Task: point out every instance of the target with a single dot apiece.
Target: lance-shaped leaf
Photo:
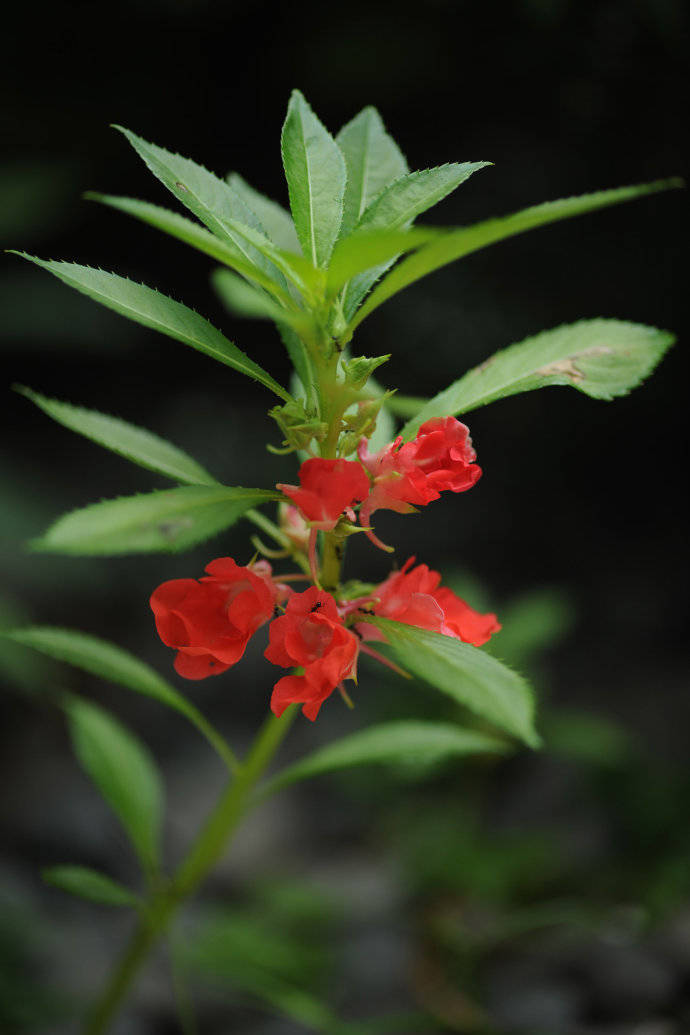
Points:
(315, 173)
(602, 358)
(468, 675)
(136, 444)
(391, 743)
(90, 884)
(469, 239)
(112, 663)
(169, 520)
(211, 199)
(373, 160)
(124, 772)
(197, 236)
(148, 307)
(276, 221)
(396, 206)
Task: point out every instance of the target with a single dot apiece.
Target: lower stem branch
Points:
(205, 852)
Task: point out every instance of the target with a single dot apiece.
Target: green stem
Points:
(205, 852)
(331, 561)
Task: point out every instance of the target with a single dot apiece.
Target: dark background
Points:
(582, 496)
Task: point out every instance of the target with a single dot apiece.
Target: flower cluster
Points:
(316, 634)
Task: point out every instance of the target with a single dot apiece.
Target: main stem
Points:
(205, 852)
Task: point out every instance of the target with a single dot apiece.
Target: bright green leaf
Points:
(373, 160)
(365, 249)
(602, 358)
(90, 884)
(465, 240)
(197, 236)
(112, 663)
(169, 520)
(148, 307)
(470, 676)
(124, 772)
(315, 173)
(396, 206)
(301, 360)
(276, 221)
(398, 742)
(136, 444)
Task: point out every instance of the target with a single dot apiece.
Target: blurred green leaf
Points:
(531, 624)
(197, 236)
(373, 160)
(602, 358)
(169, 520)
(315, 173)
(469, 239)
(135, 444)
(404, 741)
(148, 307)
(124, 772)
(107, 661)
(275, 220)
(587, 738)
(471, 677)
(245, 300)
(90, 884)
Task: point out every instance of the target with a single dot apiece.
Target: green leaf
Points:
(136, 444)
(301, 361)
(210, 198)
(197, 236)
(373, 160)
(148, 307)
(602, 358)
(315, 173)
(169, 520)
(396, 206)
(124, 772)
(364, 249)
(112, 663)
(276, 221)
(465, 240)
(471, 677)
(222, 210)
(90, 884)
(391, 743)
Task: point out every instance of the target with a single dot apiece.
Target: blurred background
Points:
(545, 895)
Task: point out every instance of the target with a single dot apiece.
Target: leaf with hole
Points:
(602, 358)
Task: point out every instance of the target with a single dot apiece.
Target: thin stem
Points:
(270, 528)
(203, 855)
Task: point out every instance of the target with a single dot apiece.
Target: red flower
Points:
(406, 476)
(326, 489)
(210, 622)
(311, 635)
(414, 596)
